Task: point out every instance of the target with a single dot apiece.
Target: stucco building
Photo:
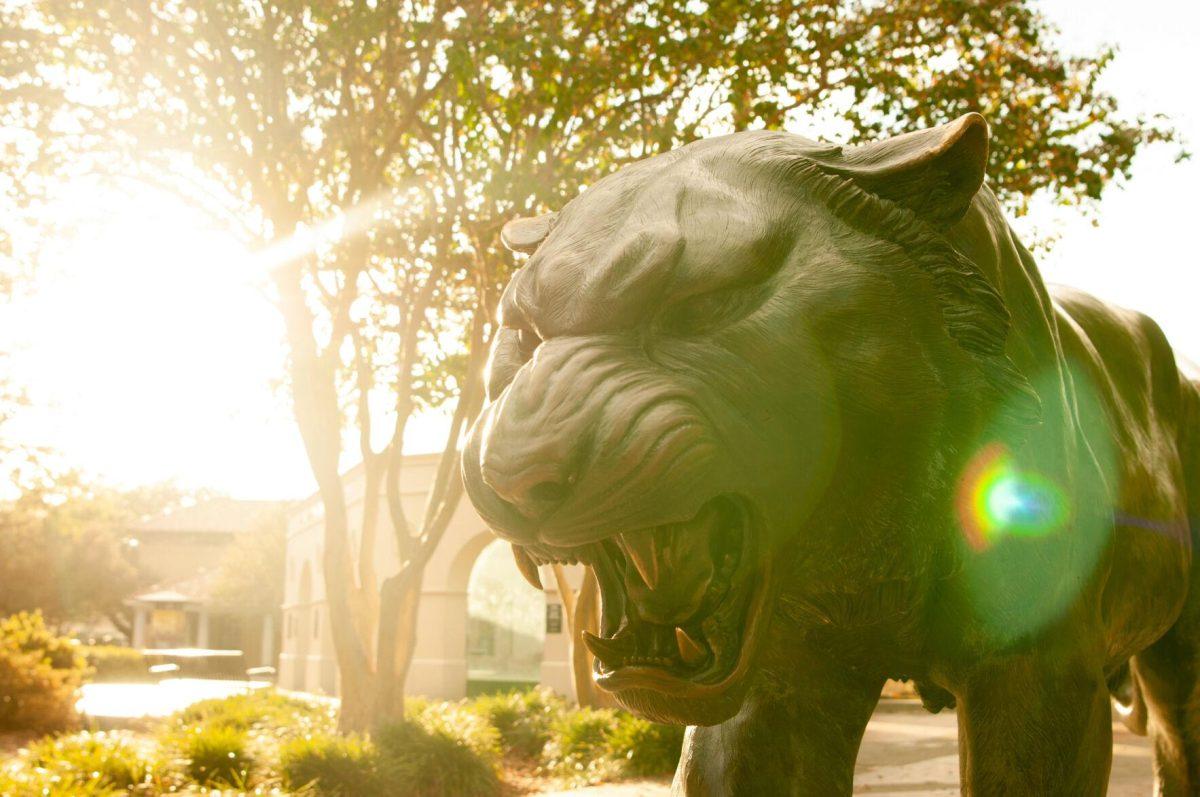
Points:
(181, 552)
(479, 622)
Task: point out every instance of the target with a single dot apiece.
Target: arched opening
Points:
(506, 630)
(301, 626)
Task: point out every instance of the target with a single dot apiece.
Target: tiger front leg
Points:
(798, 739)
(1032, 725)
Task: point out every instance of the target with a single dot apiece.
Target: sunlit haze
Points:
(151, 351)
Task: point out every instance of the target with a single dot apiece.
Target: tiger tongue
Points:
(670, 567)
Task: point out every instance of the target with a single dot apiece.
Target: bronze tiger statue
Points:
(814, 421)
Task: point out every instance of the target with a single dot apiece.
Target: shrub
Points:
(459, 722)
(523, 719)
(45, 783)
(583, 732)
(115, 663)
(40, 674)
(645, 748)
(578, 746)
(332, 766)
(261, 709)
(87, 765)
(110, 760)
(217, 755)
(417, 762)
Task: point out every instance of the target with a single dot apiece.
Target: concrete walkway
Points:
(908, 752)
(127, 701)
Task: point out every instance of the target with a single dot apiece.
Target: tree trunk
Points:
(400, 599)
(318, 416)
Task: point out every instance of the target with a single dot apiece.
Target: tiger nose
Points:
(534, 490)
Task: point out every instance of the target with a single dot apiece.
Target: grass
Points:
(480, 688)
(217, 756)
(432, 763)
(523, 719)
(237, 741)
(578, 746)
(458, 721)
(115, 759)
(87, 764)
(326, 764)
(645, 748)
(259, 710)
(426, 758)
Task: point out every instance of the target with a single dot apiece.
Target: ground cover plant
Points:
(267, 742)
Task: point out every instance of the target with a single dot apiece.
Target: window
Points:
(316, 623)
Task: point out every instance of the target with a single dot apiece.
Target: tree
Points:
(372, 152)
(251, 573)
(64, 543)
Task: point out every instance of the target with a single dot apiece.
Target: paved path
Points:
(126, 701)
(911, 752)
(908, 752)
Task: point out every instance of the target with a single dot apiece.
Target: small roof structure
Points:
(162, 596)
(195, 589)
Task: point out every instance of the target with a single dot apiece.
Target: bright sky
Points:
(1144, 253)
(150, 351)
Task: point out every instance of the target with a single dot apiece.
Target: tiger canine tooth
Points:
(609, 651)
(527, 566)
(642, 549)
(690, 651)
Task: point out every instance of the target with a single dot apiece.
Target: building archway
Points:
(506, 631)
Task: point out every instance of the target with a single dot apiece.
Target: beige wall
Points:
(173, 556)
(439, 667)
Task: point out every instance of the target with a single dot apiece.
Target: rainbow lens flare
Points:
(995, 499)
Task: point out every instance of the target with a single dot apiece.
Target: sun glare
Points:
(150, 350)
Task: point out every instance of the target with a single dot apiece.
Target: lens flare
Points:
(996, 499)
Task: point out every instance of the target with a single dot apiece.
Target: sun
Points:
(151, 350)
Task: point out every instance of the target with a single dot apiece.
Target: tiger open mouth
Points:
(681, 603)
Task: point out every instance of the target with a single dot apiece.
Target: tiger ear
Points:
(524, 235)
(935, 173)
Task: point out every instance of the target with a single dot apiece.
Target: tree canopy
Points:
(65, 546)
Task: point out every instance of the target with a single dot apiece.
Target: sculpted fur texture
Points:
(814, 420)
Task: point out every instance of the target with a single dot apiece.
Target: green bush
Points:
(523, 719)
(45, 783)
(583, 732)
(217, 756)
(115, 663)
(261, 709)
(578, 746)
(40, 674)
(88, 765)
(417, 762)
(331, 766)
(458, 721)
(112, 760)
(645, 748)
